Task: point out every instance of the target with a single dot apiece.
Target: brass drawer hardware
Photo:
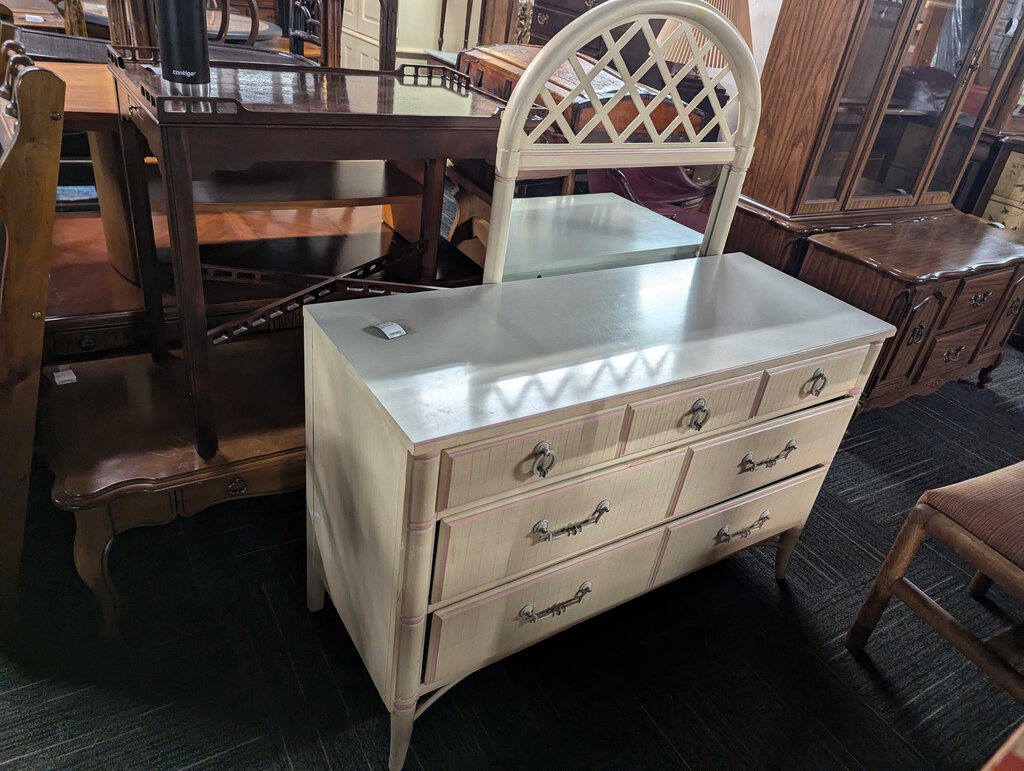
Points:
(544, 459)
(542, 530)
(723, 536)
(917, 335)
(953, 354)
(818, 382)
(87, 343)
(700, 414)
(528, 614)
(590, 3)
(238, 486)
(542, 19)
(979, 299)
(749, 463)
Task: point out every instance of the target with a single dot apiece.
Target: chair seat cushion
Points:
(991, 507)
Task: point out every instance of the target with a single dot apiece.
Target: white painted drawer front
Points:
(480, 548)
(701, 539)
(737, 463)
(811, 382)
(485, 628)
(688, 414)
(480, 470)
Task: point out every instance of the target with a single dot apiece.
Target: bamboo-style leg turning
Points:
(401, 736)
(314, 570)
(895, 566)
(94, 535)
(979, 586)
(787, 543)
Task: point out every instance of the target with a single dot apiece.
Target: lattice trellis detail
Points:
(700, 48)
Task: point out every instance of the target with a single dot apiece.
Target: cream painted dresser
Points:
(533, 453)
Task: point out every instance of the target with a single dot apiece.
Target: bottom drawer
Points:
(701, 539)
(470, 634)
(951, 351)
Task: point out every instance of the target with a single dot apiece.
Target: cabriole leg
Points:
(94, 534)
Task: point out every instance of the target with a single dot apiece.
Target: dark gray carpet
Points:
(220, 666)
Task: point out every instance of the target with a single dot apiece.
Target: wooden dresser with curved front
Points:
(533, 453)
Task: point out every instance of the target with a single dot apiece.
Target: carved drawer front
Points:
(691, 413)
(1008, 316)
(703, 538)
(480, 548)
(977, 299)
(811, 382)
(951, 351)
(722, 468)
(912, 341)
(273, 478)
(480, 470)
(485, 628)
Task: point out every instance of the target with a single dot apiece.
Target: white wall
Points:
(763, 15)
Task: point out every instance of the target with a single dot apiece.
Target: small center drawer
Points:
(689, 414)
(811, 382)
(472, 633)
(977, 300)
(722, 468)
(479, 548)
(480, 470)
(951, 351)
(696, 541)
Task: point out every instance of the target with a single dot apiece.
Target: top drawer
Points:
(811, 382)
(494, 466)
(977, 299)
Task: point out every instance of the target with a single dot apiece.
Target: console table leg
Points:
(787, 543)
(401, 736)
(94, 534)
(314, 570)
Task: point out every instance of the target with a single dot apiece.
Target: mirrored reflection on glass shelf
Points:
(882, 25)
(990, 68)
(940, 48)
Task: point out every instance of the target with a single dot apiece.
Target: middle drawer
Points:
(480, 548)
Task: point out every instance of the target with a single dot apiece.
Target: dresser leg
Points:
(985, 376)
(787, 543)
(94, 534)
(314, 571)
(909, 540)
(401, 736)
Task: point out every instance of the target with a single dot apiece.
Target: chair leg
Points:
(979, 586)
(904, 548)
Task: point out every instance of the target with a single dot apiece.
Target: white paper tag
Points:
(391, 329)
(31, 18)
(64, 377)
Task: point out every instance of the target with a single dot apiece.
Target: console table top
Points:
(481, 356)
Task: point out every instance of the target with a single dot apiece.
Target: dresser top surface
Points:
(486, 355)
(926, 250)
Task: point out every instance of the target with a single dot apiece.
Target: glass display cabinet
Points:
(882, 127)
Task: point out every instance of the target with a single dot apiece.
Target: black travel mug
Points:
(184, 51)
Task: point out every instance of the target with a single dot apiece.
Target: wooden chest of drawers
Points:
(534, 453)
(953, 287)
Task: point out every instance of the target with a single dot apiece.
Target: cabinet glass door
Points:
(880, 28)
(935, 61)
(992, 66)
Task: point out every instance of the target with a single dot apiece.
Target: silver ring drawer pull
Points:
(953, 354)
(700, 414)
(544, 459)
(544, 533)
(724, 536)
(977, 300)
(1015, 306)
(542, 19)
(749, 463)
(819, 380)
(530, 615)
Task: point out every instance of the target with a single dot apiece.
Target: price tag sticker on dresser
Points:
(391, 329)
(64, 377)
(31, 18)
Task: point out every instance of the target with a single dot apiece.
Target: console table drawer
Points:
(723, 468)
(977, 300)
(482, 629)
(809, 382)
(477, 471)
(951, 351)
(685, 415)
(709, 536)
(480, 548)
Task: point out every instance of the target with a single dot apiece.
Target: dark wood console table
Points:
(258, 113)
(953, 286)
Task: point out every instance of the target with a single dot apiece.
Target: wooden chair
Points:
(533, 115)
(317, 22)
(31, 122)
(982, 519)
